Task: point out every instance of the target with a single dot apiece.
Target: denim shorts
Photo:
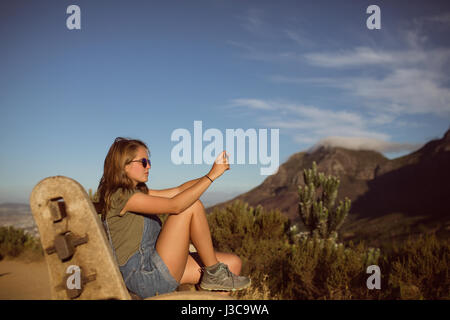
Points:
(145, 273)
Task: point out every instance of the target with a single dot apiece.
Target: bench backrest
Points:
(75, 243)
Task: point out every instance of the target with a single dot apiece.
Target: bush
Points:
(418, 269)
(14, 242)
(283, 267)
(323, 269)
(260, 238)
(317, 203)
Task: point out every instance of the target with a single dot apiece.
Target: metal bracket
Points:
(64, 245)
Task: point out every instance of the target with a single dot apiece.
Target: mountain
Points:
(354, 168)
(389, 197)
(416, 184)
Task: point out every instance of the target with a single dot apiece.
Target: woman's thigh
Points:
(173, 243)
(192, 271)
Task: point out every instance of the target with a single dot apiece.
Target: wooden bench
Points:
(77, 251)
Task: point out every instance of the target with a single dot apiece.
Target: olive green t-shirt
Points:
(126, 231)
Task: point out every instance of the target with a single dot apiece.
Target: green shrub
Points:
(310, 268)
(418, 269)
(282, 267)
(260, 238)
(317, 203)
(323, 269)
(14, 242)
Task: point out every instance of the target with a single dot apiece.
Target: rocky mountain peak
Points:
(447, 136)
(376, 185)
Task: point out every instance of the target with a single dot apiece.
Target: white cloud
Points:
(443, 18)
(403, 91)
(402, 82)
(364, 56)
(299, 38)
(252, 21)
(389, 85)
(308, 124)
(252, 103)
(364, 143)
(395, 82)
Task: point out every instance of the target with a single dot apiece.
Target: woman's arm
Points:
(172, 192)
(144, 203)
(151, 204)
(188, 184)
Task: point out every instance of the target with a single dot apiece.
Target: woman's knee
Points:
(197, 206)
(233, 262)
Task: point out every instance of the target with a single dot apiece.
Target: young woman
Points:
(155, 260)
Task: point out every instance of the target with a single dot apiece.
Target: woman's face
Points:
(135, 170)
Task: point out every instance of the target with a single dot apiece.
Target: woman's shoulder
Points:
(121, 195)
(121, 191)
(118, 199)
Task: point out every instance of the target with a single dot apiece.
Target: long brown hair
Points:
(121, 152)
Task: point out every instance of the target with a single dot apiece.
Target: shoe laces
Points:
(224, 267)
(229, 273)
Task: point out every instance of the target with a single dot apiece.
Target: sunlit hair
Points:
(121, 152)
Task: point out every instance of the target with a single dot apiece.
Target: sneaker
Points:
(223, 279)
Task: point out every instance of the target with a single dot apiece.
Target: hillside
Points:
(390, 198)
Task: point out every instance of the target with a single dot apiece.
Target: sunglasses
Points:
(144, 162)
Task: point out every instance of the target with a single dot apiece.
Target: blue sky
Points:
(142, 69)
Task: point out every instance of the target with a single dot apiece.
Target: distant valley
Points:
(18, 215)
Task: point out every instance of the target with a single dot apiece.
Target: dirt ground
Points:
(22, 280)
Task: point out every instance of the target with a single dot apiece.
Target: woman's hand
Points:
(221, 164)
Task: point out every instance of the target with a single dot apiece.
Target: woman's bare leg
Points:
(192, 272)
(174, 239)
